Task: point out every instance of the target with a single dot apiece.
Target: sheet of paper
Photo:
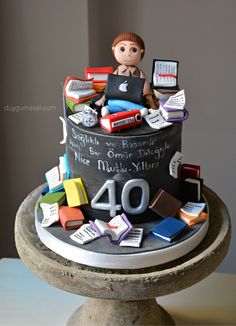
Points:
(84, 234)
(175, 162)
(133, 239)
(176, 101)
(193, 209)
(50, 214)
(77, 117)
(156, 121)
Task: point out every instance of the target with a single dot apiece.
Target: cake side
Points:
(137, 153)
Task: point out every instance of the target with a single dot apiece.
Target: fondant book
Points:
(192, 213)
(75, 192)
(164, 204)
(70, 217)
(192, 189)
(165, 74)
(99, 74)
(168, 229)
(58, 197)
(116, 230)
(164, 93)
(58, 174)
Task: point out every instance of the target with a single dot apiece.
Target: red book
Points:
(70, 217)
(190, 171)
(121, 120)
(98, 73)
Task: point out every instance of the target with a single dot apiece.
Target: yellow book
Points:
(75, 192)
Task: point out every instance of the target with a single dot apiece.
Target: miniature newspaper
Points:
(156, 121)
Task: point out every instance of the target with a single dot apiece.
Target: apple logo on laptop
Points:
(123, 87)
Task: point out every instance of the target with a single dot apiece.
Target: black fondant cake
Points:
(136, 153)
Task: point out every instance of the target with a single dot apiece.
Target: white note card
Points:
(175, 162)
(50, 214)
(156, 121)
(133, 239)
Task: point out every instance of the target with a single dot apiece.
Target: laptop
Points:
(125, 88)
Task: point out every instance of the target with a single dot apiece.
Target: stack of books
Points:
(78, 91)
(192, 213)
(173, 109)
(99, 76)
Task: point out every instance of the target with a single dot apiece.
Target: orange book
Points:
(70, 217)
(191, 220)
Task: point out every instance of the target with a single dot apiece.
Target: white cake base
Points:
(126, 258)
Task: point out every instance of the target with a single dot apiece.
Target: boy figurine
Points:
(128, 49)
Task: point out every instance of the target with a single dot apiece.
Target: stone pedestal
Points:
(123, 297)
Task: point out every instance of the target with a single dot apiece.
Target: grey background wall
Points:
(43, 41)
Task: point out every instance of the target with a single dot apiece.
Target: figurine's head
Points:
(128, 49)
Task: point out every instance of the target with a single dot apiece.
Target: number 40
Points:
(112, 206)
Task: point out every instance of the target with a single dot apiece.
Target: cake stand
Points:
(123, 297)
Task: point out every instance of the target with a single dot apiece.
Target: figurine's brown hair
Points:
(129, 36)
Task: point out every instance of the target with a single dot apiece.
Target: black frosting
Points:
(141, 152)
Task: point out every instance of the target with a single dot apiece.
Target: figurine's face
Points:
(127, 53)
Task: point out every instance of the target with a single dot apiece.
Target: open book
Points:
(58, 174)
(116, 230)
(165, 73)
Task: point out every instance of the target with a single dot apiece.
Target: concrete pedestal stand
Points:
(123, 297)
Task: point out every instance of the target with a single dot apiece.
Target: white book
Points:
(98, 76)
(193, 209)
(84, 234)
(57, 175)
(172, 114)
(75, 84)
(133, 239)
(50, 214)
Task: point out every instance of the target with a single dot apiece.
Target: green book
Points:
(52, 198)
(74, 107)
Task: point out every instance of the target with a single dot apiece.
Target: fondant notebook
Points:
(165, 204)
(168, 229)
(70, 217)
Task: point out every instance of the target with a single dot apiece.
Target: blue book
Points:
(168, 229)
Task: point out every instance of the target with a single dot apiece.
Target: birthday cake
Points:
(122, 177)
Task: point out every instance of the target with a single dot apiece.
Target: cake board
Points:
(129, 293)
(102, 253)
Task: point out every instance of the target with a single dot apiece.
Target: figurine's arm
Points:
(148, 93)
(102, 100)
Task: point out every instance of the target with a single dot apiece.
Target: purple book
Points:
(116, 230)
